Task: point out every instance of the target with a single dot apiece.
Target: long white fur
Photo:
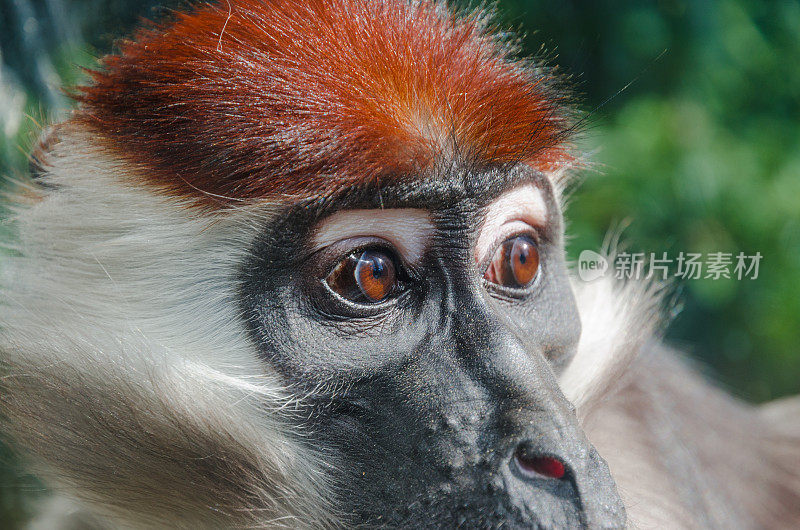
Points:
(617, 320)
(115, 281)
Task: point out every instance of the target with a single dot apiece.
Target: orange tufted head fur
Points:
(262, 98)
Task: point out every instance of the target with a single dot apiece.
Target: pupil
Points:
(377, 268)
(374, 275)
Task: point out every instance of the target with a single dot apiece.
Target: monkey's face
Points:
(426, 324)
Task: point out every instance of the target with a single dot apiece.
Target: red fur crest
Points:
(269, 98)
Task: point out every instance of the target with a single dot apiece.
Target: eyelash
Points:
(383, 247)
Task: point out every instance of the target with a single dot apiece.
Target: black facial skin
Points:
(422, 400)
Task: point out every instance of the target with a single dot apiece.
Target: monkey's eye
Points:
(367, 276)
(515, 263)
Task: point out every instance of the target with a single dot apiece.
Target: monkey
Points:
(301, 265)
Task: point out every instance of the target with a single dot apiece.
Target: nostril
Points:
(547, 466)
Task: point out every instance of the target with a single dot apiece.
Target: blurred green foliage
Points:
(693, 131)
(701, 153)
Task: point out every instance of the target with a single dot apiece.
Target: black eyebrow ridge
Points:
(427, 192)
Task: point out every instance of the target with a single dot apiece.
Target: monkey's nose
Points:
(564, 482)
(534, 464)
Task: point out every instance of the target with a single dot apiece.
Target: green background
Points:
(693, 132)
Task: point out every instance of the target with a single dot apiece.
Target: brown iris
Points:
(515, 263)
(369, 276)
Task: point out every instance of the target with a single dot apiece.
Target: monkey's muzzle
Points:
(468, 460)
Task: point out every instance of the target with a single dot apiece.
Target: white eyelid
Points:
(408, 229)
(519, 210)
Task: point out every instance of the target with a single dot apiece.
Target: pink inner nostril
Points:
(543, 465)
